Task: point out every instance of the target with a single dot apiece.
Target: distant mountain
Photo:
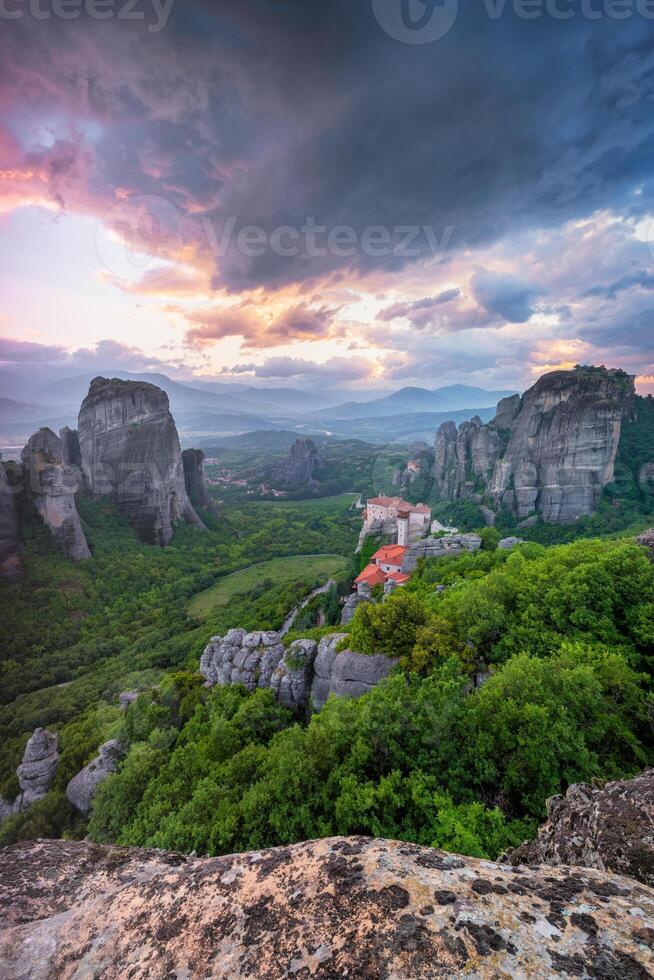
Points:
(451, 398)
(401, 427)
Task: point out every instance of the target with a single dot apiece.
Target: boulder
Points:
(506, 544)
(611, 829)
(82, 787)
(125, 698)
(346, 674)
(130, 453)
(333, 908)
(646, 539)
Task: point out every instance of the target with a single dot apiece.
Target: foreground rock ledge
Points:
(344, 907)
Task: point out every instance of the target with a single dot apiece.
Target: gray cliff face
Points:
(302, 676)
(10, 569)
(451, 544)
(299, 467)
(195, 479)
(551, 451)
(464, 459)
(563, 444)
(70, 450)
(130, 452)
(52, 485)
(35, 773)
(82, 787)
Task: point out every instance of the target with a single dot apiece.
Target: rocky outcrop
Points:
(299, 468)
(345, 674)
(551, 451)
(563, 444)
(335, 908)
(353, 601)
(611, 829)
(507, 544)
(451, 544)
(646, 539)
(464, 459)
(195, 479)
(131, 454)
(35, 773)
(10, 568)
(302, 676)
(52, 485)
(82, 787)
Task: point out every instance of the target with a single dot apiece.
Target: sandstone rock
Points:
(52, 485)
(334, 908)
(451, 544)
(507, 412)
(10, 568)
(240, 658)
(445, 459)
(346, 674)
(70, 451)
(130, 453)
(82, 787)
(465, 458)
(351, 605)
(37, 770)
(563, 443)
(299, 468)
(646, 539)
(611, 829)
(506, 544)
(195, 479)
(291, 679)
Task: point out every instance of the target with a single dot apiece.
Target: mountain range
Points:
(208, 409)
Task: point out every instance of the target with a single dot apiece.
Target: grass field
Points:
(279, 570)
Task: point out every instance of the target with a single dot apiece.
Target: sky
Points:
(353, 194)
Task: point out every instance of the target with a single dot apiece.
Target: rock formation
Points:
(130, 453)
(345, 674)
(507, 544)
(301, 676)
(334, 908)
(52, 485)
(299, 468)
(35, 773)
(10, 569)
(646, 539)
(611, 829)
(82, 787)
(451, 544)
(551, 452)
(71, 453)
(195, 479)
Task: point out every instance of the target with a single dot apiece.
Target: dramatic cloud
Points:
(334, 371)
(296, 323)
(504, 295)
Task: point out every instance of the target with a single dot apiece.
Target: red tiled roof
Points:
(389, 554)
(385, 501)
(372, 575)
(398, 577)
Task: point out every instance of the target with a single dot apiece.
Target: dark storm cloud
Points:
(504, 295)
(642, 279)
(274, 112)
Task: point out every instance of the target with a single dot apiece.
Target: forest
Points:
(530, 670)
